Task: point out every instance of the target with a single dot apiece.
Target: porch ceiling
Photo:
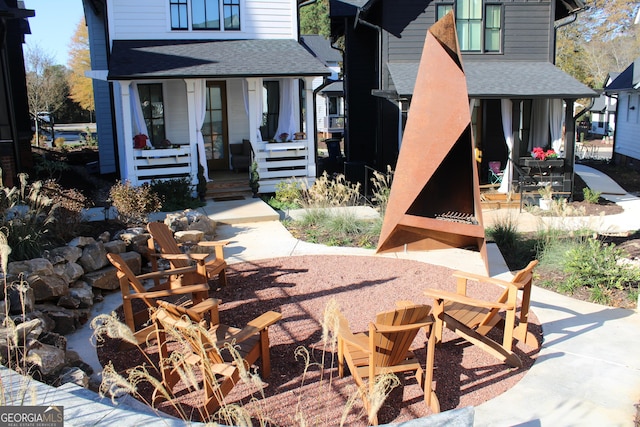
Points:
(502, 79)
(162, 59)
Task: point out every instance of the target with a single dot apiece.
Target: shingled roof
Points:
(502, 79)
(162, 59)
(629, 79)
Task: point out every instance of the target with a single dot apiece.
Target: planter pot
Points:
(550, 163)
(545, 204)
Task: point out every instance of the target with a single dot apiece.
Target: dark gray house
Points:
(519, 99)
(15, 125)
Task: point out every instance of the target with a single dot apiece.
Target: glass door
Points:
(214, 129)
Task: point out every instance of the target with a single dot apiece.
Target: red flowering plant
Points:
(539, 154)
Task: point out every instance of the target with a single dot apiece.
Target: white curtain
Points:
(139, 125)
(200, 95)
(506, 106)
(287, 117)
(539, 136)
(555, 125)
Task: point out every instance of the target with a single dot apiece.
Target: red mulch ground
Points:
(299, 288)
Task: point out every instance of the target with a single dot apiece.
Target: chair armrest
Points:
(165, 273)
(483, 279)
(360, 341)
(209, 243)
(168, 292)
(438, 294)
(255, 326)
(186, 257)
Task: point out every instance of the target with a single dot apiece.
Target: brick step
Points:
(228, 189)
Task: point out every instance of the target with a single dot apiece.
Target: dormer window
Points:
(205, 15)
(479, 25)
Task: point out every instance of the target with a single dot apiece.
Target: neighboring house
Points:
(15, 124)
(329, 93)
(519, 99)
(626, 140)
(195, 76)
(603, 111)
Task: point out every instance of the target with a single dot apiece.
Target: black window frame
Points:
(179, 10)
(442, 8)
(156, 124)
(206, 6)
(231, 6)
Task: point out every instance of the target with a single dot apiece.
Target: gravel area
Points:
(299, 288)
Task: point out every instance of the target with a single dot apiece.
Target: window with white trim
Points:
(479, 25)
(208, 15)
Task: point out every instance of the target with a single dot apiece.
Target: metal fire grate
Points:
(458, 217)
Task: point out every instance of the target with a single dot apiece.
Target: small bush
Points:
(331, 192)
(68, 214)
(134, 204)
(591, 196)
(175, 194)
(382, 189)
(49, 169)
(288, 195)
(59, 142)
(26, 213)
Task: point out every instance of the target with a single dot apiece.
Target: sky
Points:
(53, 26)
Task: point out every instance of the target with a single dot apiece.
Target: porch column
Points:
(127, 167)
(569, 145)
(515, 131)
(310, 120)
(193, 130)
(253, 86)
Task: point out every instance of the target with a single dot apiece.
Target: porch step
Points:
(228, 188)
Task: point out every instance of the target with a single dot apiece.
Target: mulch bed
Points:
(300, 288)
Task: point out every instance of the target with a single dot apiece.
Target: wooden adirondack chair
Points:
(472, 319)
(217, 375)
(385, 349)
(208, 266)
(132, 288)
(251, 341)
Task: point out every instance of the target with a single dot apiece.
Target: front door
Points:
(214, 129)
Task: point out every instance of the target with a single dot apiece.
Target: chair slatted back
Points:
(393, 332)
(126, 276)
(163, 236)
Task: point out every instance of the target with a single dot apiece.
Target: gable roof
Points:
(629, 79)
(502, 79)
(155, 59)
(321, 48)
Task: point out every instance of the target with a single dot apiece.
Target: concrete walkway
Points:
(588, 369)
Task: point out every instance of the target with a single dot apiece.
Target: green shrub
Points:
(591, 196)
(175, 194)
(288, 195)
(134, 204)
(49, 169)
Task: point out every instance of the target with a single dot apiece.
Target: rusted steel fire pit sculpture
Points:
(435, 195)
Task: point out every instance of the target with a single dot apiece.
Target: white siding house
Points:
(626, 87)
(194, 80)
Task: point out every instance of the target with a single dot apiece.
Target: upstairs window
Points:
(205, 14)
(211, 15)
(231, 10)
(479, 26)
(179, 15)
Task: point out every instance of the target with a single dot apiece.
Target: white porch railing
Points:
(278, 161)
(165, 163)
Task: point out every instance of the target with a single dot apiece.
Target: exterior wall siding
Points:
(150, 20)
(628, 125)
(527, 32)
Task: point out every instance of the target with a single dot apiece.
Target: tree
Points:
(314, 18)
(603, 39)
(46, 83)
(81, 87)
